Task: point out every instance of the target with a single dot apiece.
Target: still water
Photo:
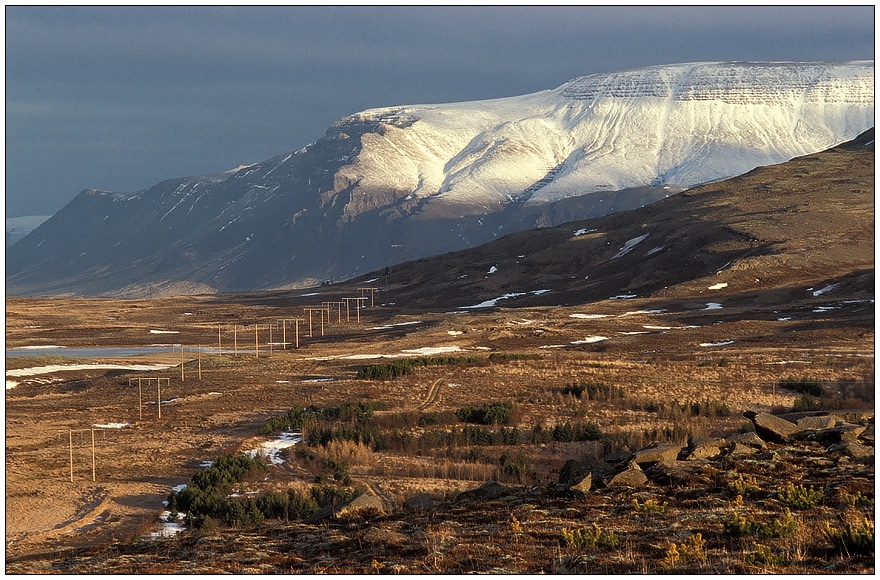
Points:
(102, 352)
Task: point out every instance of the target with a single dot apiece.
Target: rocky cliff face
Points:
(422, 180)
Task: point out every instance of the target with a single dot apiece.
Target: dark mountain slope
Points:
(773, 231)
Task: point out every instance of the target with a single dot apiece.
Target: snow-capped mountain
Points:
(425, 179)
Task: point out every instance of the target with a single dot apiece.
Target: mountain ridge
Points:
(435, 178)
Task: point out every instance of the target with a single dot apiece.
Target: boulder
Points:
(704, 447)
(771, 428)
(686, 473)
(749, 438)
(813, 423)
(384, 537)
(584, 484)
(489, 490)
(361, 505)
(868, 435)
(740, 449)
(656, 453)
(419, 503)
(321, 515)
(852, 449)
(630, 477)
(573, 471)
(842, 432)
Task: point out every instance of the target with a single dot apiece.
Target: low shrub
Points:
(737, 526)
(589, 538)
(744, 488)
(852, 540)
(799, 497)
(650, 506)
(764, 556)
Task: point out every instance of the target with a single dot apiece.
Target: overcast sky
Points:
(122, 98)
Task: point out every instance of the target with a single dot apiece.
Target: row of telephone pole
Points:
(325, 311)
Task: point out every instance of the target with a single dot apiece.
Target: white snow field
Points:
(669, 125)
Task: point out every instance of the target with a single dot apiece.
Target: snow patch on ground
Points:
(718, 286)
(454, 332)
(827, 288)
(271, 450)
(111, 425)
(493, 269)
(164, 332)
(713, 306)
(623, 296)
(31, 371)
(582, 232)
(589, 316)
(493, 302)
(390, 326)
(433, 350)
(725, 343)
(632, 312)
(628, 246)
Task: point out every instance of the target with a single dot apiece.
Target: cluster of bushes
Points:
(594, 391)
(405, 366)
(497, 413)
(567, 432)
(676, 410)
(810, 387)
(299, 417)
(737, 526)
(508, 356)
(206, 497)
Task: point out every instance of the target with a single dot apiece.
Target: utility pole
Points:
(181, 362)
(200, 363)
(70, 432)
(235, 338)
(219, 349)
(256, 342)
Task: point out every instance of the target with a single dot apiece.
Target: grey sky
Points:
(122, 98)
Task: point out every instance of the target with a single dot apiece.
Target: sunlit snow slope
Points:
(665, 125)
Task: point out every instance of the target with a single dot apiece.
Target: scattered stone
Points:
(419, 503)
(630, 477)
(770, 427)
(656, 453)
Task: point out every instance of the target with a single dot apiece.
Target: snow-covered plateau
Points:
(678, 124)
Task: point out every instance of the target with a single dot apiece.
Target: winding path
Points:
(433, 393)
